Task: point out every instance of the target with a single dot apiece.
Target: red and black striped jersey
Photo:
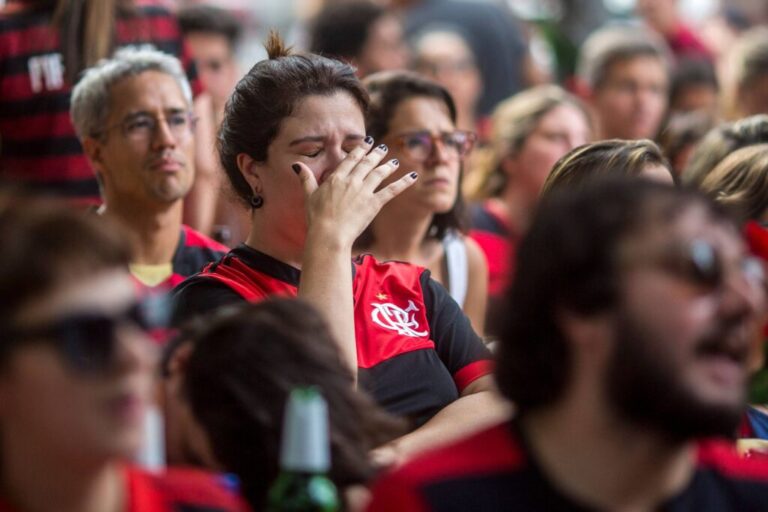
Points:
(416, 350)
(494, 471)
(176, 490)
(38, 146)
(494, 235)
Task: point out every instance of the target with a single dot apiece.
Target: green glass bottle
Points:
(303, 484)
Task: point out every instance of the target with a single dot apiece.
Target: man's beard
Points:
(645, 388)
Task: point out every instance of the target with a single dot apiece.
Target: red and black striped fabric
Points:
(416, 350)
(38, 146)
(493, 471)
(176, 490)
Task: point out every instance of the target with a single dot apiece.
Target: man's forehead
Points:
(692, 222)
(148, 89)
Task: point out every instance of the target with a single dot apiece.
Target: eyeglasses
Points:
(142, 127)
(86, 340)
(421, 145)
(701, 264)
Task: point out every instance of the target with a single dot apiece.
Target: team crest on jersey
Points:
(395, 318)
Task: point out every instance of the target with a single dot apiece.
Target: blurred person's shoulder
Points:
(182, 489)
(470, 474)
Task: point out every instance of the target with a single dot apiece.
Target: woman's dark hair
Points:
(388, 89)
(601, 159)
(568, 262)
(340, 31)
(44, 244)
(269, 93)
(238, 378)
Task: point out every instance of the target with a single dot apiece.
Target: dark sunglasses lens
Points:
(88, 343)
(705, 265)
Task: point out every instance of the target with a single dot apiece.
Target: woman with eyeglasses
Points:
(416, 118)
(293, 143)
(76, 371)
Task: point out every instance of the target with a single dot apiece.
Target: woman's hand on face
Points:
(347, 201)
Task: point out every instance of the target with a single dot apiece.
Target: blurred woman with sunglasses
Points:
(294, 145)
(75, 372)
(416, 118)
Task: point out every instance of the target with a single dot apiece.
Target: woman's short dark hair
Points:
(238, 378)
(568, 262)
(269, 93)
(387, 90)
(44, 244)
(601, 159)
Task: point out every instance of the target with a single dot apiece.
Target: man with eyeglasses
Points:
(133, 116)
(76, 373)
(624, 349)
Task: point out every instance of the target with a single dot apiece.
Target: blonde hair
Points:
(513, 121)
(740, 182)
(607, 157)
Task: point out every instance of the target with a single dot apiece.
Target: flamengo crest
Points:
(395, 318)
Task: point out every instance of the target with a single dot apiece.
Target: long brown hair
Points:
(86, 31)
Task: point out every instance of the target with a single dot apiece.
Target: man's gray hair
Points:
(614, 43)
(90, 104)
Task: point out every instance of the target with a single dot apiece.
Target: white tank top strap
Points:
(457, 265)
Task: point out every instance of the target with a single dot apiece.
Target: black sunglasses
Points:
(87, 341)
(701, 264)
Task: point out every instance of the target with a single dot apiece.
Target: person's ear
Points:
(93, 149)
(251, 171)
(509, 166)
(177, 364)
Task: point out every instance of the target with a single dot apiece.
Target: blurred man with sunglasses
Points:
(625, 352)
(76, 370)
(133, 116)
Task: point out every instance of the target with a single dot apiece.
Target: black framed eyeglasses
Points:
(421, 145)
(141, 127)
(87, 340)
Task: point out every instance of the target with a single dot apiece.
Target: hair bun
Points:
(276, 47)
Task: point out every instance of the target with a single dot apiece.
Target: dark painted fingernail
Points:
(296, 168)
(368, 140)
(395, 161)
(382, 147)
(414, 175)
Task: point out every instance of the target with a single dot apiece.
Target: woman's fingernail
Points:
(395, 161)
(414, 175)
(368, 140)
(296, 168)
(382, 147)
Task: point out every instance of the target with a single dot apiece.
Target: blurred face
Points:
(559, 130)
(691, 301)
(147, 153)
(631, 102)
(424, 139)
(753, 98)
(446, 59)
(55, 406)
(215, 64)
(384, 49)
(319, 133)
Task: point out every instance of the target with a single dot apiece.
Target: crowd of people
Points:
(513, 294)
